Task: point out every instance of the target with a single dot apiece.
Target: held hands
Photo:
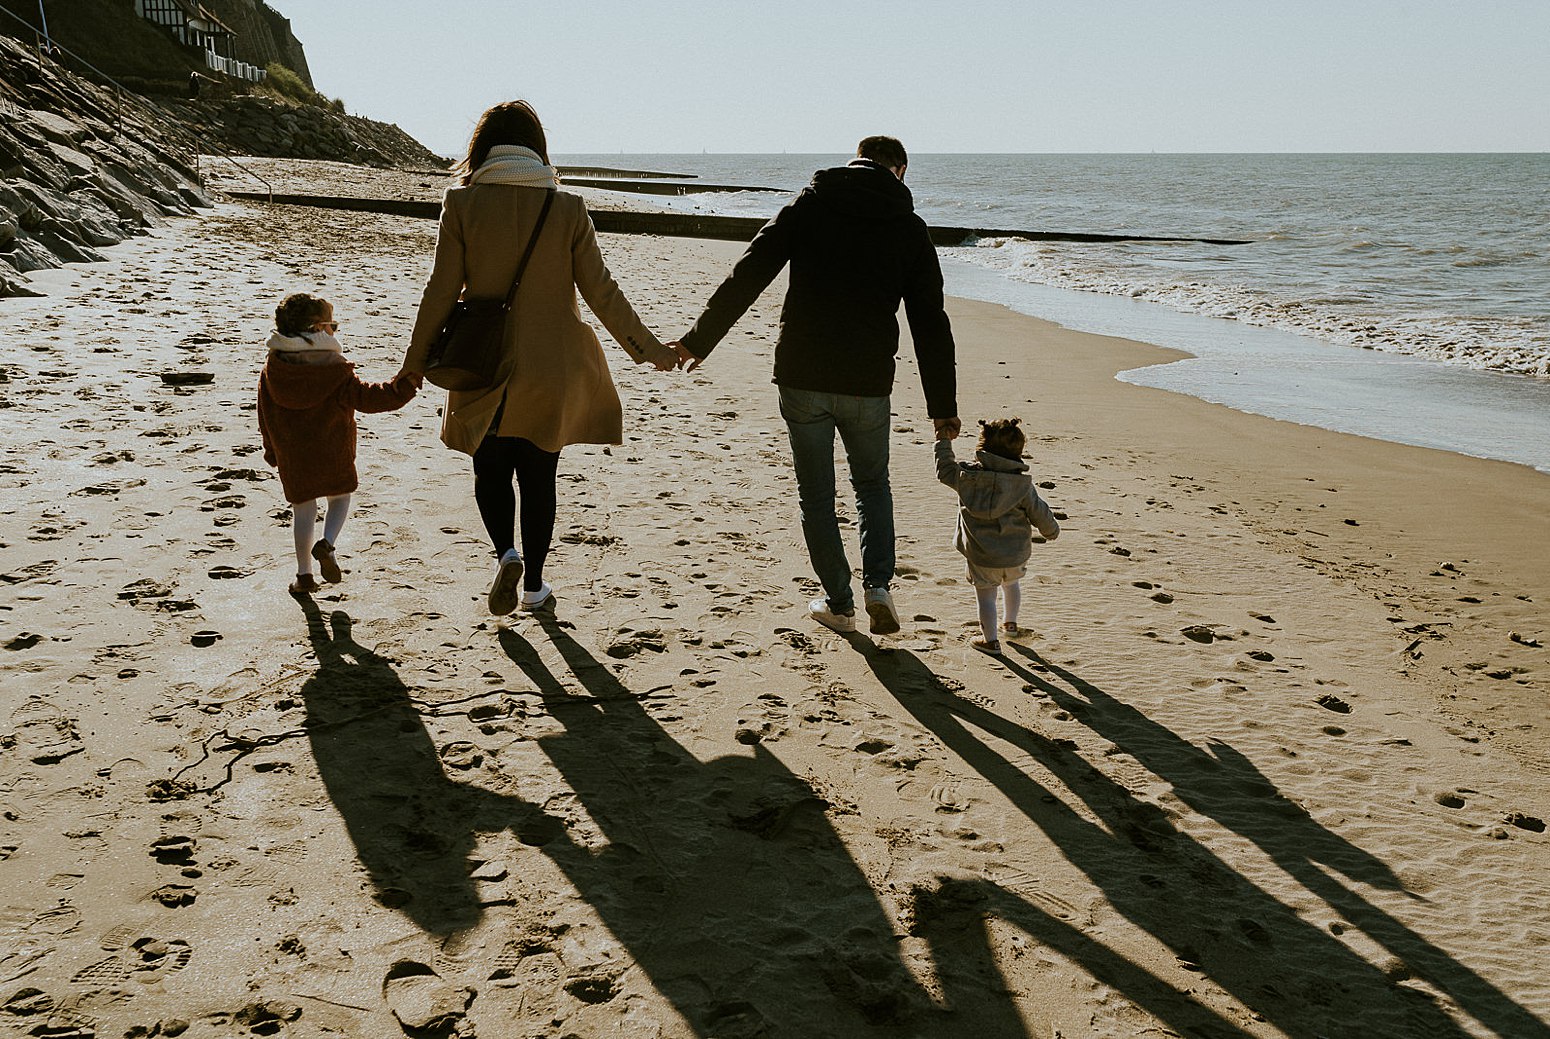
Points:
(415, 379)
(948, 428)
(686, 360)
(664, 360)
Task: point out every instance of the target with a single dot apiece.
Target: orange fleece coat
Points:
(306, 416)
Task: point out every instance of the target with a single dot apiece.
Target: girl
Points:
(554, 387)
(999, 508)
(308, 395)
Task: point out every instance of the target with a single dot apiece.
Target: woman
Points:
(554, 387)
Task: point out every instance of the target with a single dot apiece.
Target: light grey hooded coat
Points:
(1000, 507)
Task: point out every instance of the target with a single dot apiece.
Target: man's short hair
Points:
(886, 151)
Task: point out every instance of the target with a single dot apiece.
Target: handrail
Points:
(221, 153)
(118, 88)
(118, 91)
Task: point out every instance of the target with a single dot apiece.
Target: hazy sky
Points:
(967, 76)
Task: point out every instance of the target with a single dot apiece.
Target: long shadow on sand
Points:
(723, 879)
(408, 820)
(730, 887)
(1219, 782)
(1296, 974)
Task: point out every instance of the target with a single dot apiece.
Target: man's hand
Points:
(948, 428)
(415, 379)
(686, 360)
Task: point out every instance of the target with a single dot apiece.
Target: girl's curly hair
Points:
(298, 312)
(1003, 437)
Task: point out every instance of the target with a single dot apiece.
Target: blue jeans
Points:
(812, 418)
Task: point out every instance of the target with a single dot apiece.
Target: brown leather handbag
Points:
(467, 351)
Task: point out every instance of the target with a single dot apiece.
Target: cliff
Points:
(81, 167)
(263, 35)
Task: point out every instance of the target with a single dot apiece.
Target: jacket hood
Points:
(863, 189)
(307, 342)
(992, 485)
(302, 386)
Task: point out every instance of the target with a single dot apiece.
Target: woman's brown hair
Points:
(511, 122)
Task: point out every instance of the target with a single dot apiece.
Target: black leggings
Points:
(496, 461)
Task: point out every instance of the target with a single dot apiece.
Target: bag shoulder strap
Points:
(527, 254)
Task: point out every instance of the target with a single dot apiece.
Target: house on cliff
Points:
(195, 26)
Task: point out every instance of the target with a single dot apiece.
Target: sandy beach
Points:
(1269, 762)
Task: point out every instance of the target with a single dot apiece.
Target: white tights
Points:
(987, 602)
(304, 516)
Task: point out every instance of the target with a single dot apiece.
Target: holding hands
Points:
(686, 360)
(948, 428)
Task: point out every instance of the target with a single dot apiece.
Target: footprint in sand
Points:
(45, 733)
(423, 1003)
(146, 960)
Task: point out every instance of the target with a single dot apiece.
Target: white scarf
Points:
(304, 343)
(516, 165)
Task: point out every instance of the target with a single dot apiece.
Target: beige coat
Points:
(554, 379)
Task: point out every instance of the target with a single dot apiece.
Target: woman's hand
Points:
(417, 379)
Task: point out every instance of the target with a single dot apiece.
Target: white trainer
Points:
(879, 606)
(538, 600)
(843, 623)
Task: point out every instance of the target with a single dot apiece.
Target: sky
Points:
(814, 76)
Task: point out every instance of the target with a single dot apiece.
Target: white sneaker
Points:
(879, 606)
(843, 623)
(508, 579)
(539, 599)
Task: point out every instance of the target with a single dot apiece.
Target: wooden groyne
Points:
(612, 173)
(656, 188)
(694, 225)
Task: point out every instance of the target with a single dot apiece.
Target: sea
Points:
(1402, 297)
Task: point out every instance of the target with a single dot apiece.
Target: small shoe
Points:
(323, 552)
(990, 646)
(539, 600)
(305, 584)
(508, 578)
(879, 606)
(843, 623)
(1011, 629)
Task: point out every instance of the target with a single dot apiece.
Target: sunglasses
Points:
(328, 326)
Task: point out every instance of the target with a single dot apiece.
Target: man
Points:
(856, 249)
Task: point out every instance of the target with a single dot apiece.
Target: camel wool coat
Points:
(554, 379)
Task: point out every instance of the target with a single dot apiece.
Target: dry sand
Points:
(1269, 762)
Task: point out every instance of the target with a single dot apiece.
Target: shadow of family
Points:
(730, 888)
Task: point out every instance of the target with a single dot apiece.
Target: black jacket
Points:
(856, 248)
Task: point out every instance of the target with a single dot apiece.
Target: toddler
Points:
(308, 395)
(999, 510)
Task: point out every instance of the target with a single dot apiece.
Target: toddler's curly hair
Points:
(298, 312)
(1003, 437)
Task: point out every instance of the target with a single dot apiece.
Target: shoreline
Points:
(1269, 726)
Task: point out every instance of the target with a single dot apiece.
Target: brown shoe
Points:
(323, 552)
(305, 584)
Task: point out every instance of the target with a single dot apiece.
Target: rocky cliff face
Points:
(252, 124)
(84, 166)
(81, 167)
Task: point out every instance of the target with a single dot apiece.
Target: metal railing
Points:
(39, 36)
(118, 91)
(221, 153)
